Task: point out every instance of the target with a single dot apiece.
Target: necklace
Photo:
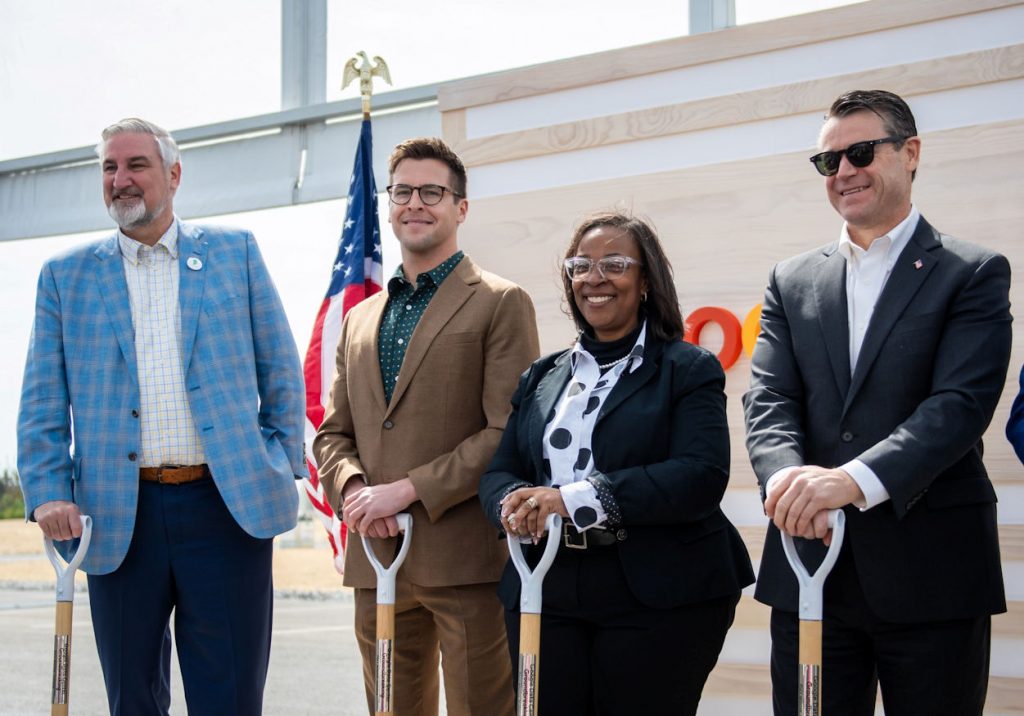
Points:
(606, 366)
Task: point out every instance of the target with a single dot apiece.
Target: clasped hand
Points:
(524, 512)
(799, 501)
(370, 509)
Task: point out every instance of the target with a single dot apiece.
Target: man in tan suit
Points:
(421, 395)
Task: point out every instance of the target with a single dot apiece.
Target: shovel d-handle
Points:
(385, 663)
(811, 608)
(65, 606)
(529, 613)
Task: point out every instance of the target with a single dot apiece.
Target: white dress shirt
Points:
(169, 435)
(867, 271)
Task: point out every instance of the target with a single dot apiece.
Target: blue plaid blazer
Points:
(78, 433)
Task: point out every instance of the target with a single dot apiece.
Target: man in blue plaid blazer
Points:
(163, 396)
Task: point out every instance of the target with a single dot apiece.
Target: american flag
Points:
(357, 273)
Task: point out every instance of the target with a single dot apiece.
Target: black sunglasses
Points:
(859, 154)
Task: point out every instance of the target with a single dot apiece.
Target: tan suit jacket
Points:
(446, 416)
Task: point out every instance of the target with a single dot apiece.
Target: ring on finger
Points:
(532, 502)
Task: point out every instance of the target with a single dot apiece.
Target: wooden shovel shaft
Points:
(809, 694)
(529, 663)
(61, 660)
(385, 665)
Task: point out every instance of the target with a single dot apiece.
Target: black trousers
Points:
(934, 668)
(603, 653)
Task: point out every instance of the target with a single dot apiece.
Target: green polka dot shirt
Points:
(406, 304)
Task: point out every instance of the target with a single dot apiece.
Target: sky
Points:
(69, 68)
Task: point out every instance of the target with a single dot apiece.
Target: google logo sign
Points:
(736, 336)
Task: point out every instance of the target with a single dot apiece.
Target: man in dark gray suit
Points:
(879, 364)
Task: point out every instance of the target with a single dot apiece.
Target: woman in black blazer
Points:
(625, 437)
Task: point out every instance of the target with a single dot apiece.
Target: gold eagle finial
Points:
(362, 67)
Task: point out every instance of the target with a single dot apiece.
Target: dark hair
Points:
(431, 148)
(661, 305)
(894, 112)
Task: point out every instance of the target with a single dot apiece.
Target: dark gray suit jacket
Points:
(929, 374)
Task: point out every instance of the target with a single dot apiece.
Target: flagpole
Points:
(356, 273)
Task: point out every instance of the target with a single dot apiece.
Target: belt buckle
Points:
(160, 472)
(569, 542)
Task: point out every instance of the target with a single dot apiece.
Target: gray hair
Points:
(169, 153)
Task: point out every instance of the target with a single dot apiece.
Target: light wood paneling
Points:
(725, 225)
(970, 69)
(707, 47)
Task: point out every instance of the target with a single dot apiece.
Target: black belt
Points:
(594, 537)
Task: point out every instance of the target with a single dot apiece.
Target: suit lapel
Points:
(830, 297)
(191, 283)
(113, 288)
(453, 292)
(369, 361)
(545, 397)
(903, 284)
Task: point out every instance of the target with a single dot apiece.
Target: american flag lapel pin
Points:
(918, 264)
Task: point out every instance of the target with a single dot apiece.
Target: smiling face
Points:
(137, 189)
(610, 305)
(427, 234)
(872, 199)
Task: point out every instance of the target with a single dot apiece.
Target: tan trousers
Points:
(465, 626)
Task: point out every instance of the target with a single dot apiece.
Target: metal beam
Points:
(240, 165)
(303, 53)
(708, 15)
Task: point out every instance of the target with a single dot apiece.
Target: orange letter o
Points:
(732, 332)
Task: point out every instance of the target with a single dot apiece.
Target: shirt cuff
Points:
(583, 506)
(868, 482)
(776, 476)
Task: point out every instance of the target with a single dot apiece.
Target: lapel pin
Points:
(918, 264)
(195, 263)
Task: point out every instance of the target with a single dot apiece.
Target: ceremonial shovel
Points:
(385, 664)
(811, 605)
(529, 614)
(65, 604)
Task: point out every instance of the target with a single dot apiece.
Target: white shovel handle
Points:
(812, 585)
(530, 596)
(66, 572)
(386, 577)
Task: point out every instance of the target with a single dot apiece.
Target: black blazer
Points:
(1015, 426)
(928, 377)
(662, 441)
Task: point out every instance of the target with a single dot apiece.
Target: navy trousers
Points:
(187, 555)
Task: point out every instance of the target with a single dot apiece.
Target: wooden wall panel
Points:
(724, 225)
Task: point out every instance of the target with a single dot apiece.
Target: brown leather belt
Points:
(174, 474)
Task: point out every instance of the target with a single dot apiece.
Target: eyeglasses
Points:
(430, 194)
(859, 154)
(578, 268)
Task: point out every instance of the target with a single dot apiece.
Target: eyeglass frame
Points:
(568, 263)
(416, 190)
(840, 153)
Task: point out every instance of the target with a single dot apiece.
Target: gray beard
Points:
(131, 216)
